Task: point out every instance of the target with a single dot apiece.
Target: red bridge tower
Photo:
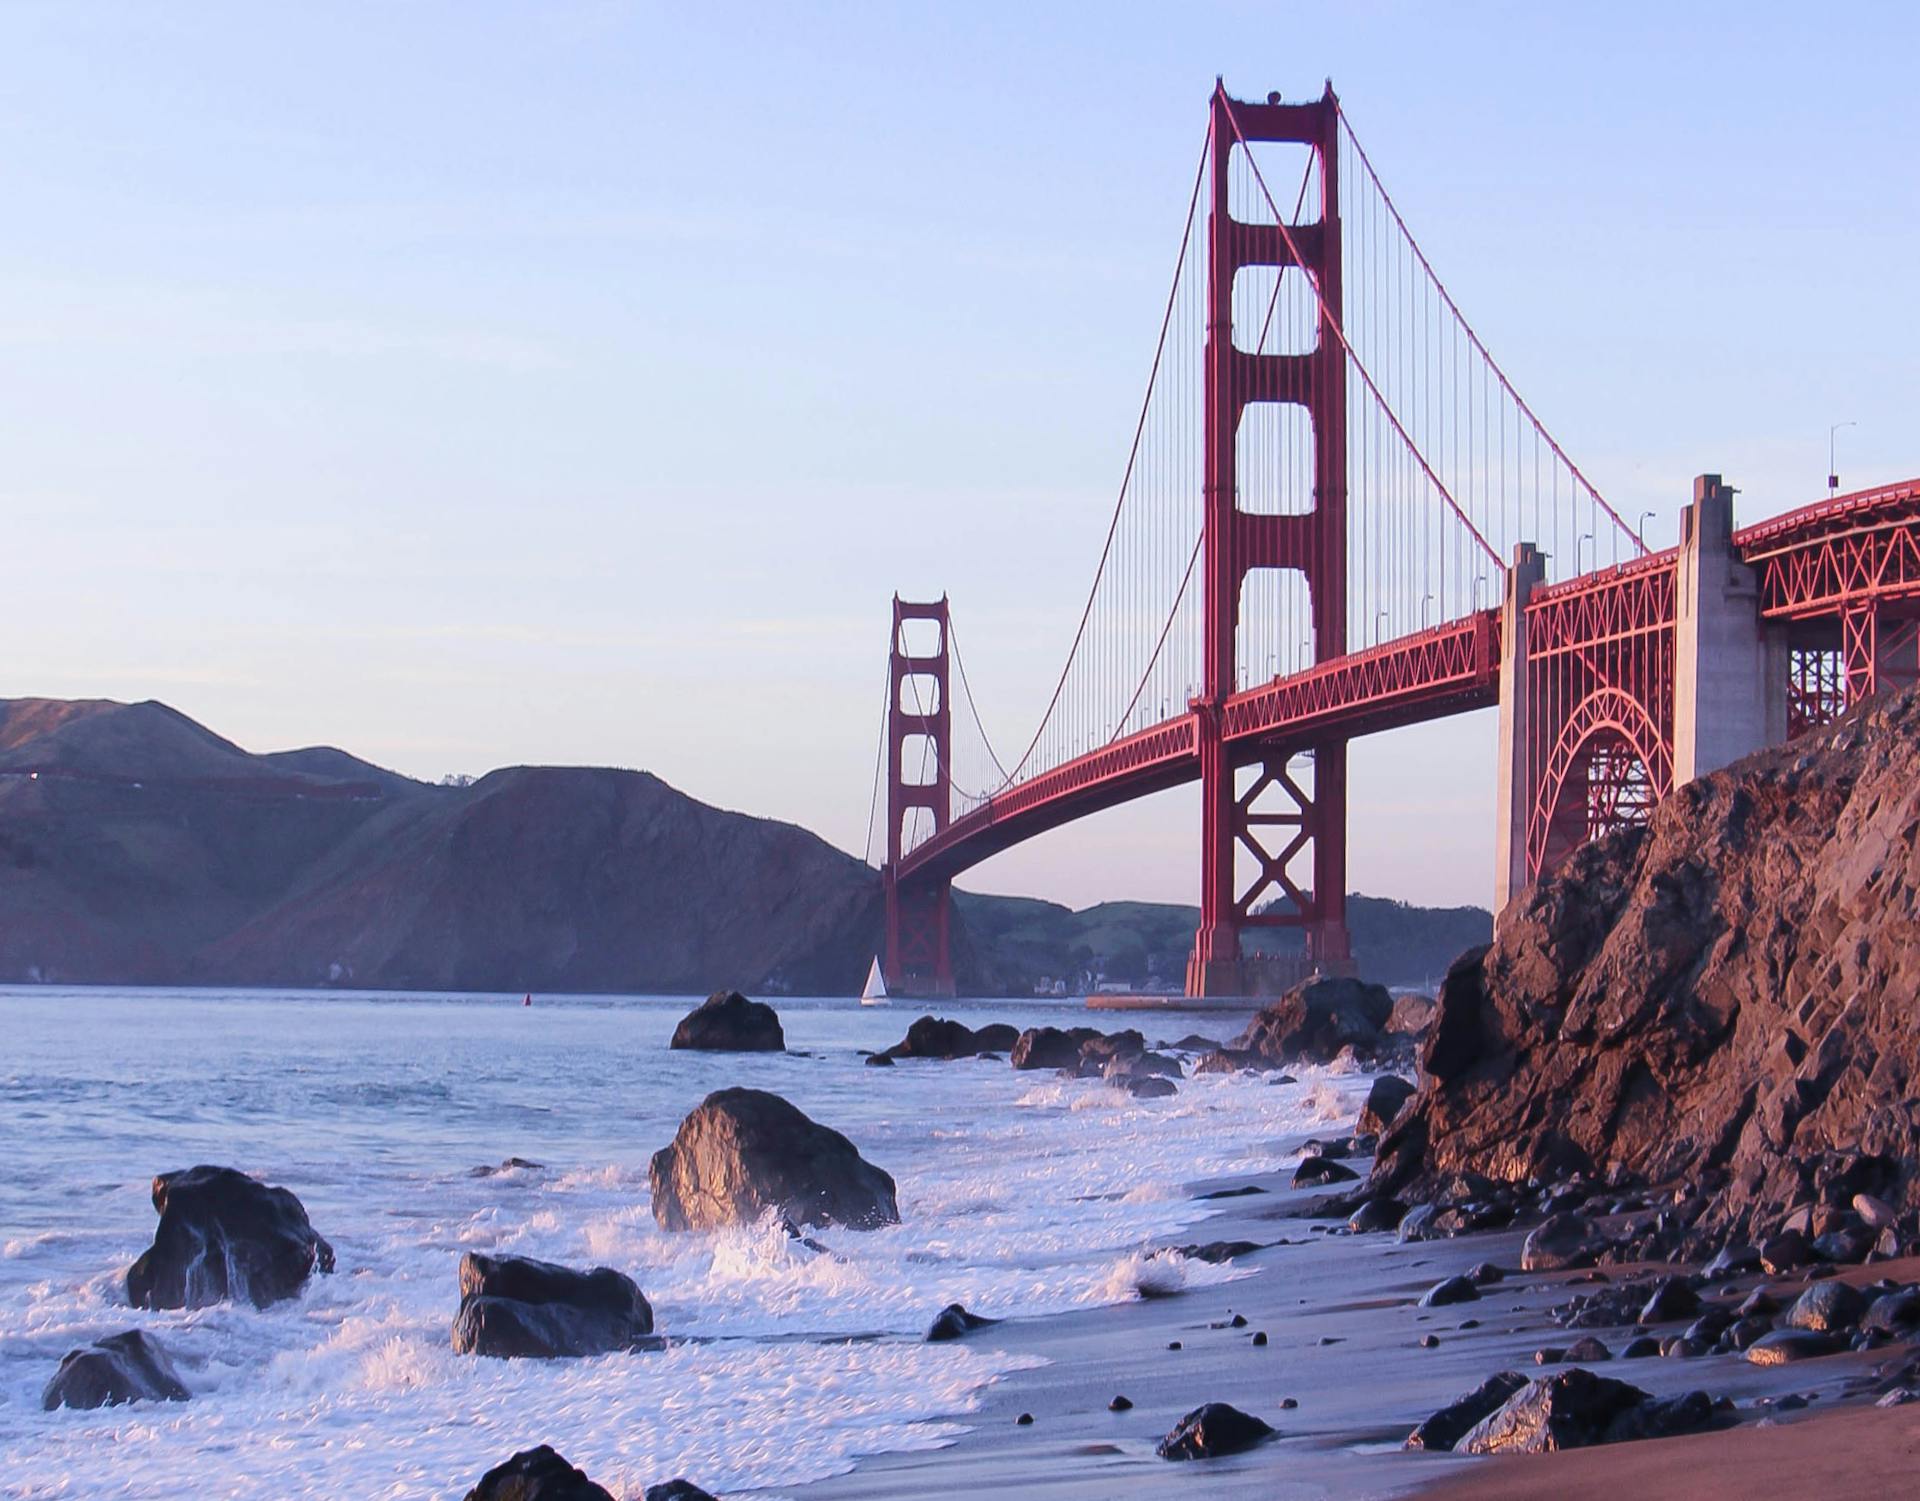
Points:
(1238, 541)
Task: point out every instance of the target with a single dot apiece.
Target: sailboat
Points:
(876, 992)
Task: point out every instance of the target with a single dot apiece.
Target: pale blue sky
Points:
(468, 383)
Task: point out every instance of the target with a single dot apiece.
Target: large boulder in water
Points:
(1049, 1047)
(937, 1037)
(125, 1367)
(727, 1022)
(537, 1475)
(742, 1152)
(1721, 996)
(224, 1236)
(1317, 1018)
(515, 1307)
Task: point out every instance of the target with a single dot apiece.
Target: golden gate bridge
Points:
(1337, 517)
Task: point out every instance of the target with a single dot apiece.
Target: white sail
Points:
(876, 992)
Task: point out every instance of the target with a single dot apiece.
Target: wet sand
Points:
(1343, 1325)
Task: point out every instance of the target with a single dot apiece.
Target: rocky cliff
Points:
(1724, 999)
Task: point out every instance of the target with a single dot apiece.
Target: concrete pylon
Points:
(1729, 665)
(1514, 797)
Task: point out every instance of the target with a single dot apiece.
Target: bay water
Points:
(1021, 1193)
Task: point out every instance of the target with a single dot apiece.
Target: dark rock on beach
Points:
(1210, 1431)
(1450, 1424)
(1574, 1409)
(954, 1322)
(727, 1022)
(1314, 1171)
(742, 1152)
(225, 1237)
(514, 1307)
(537, 1475)
(125, 1367)
(1384, 1099)
(1216, 1251)
(1316, 1019)
(1826, 1308)
(1150, 1087)
(1452, 1290)
(1561, 1242)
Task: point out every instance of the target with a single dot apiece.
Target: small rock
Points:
(538, 1474)
(953, 1321)
(1025, 1420)
(1151, 1087)
(1733, 1261)
(1784, 1346)
(1445, 1428)
(1826, 1308)
(1876, 1213)
(1287, 1404)
(1900, 1396)
(677, 1489)
(1643, 1348)
(1376, 1214)
(1173, 1344)
(1388, 1094)
(1588, 1350)
(1785, 1252)
(1896, 1312)
(1429, 1341)
(1214, 1252)
(1314, 1171)
(1561, 1242)
(1672, 1298)
(126, 1367)
(1213, 1430)
(1485, 1274)
(1259, 1336)
(1120, 1404)
(879, 1060)
(1451, 1290)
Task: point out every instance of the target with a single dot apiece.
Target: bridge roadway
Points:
(1854, 552)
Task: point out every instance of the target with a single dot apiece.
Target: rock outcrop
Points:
(513, 1307)
(742, 1152)
(537, 1475)
(937, 1037)
(727, 1022)
(1316, 1019)
(126, 1367)
(225, 1237)
(1722, 997)
(1575, 1409)
(1050, 1047)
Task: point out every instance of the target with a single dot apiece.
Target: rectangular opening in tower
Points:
(1288, 172)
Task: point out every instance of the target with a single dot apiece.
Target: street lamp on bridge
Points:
(1833, 469)
(1641, 530)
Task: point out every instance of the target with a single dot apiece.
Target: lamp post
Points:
(1833, 469)
(1641, 530)
(1582, 540)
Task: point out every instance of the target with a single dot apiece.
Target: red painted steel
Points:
(1447, 670)
(1236, 541)
(1599, 679)
(918, 957)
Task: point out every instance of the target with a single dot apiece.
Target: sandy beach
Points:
(1343, 1326)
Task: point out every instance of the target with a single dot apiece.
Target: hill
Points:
(138, 847)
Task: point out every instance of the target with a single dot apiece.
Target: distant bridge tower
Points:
(1238, 541)
(918, 959)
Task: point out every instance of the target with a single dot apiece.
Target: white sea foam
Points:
(1018, 1196)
